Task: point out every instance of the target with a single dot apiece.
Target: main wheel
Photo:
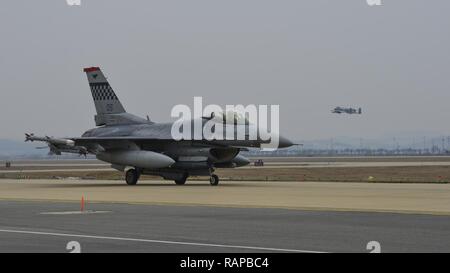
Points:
(132, 176)
(214, 180)
(182, 180)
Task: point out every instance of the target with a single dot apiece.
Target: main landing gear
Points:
(214, 180)
(132, 176)
(182, 180)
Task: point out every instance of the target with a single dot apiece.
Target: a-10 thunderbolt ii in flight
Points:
(342, 110)
(136, 146)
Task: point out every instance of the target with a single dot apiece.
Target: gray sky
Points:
(308, 56)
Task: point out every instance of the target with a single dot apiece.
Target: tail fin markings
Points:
(109, 109)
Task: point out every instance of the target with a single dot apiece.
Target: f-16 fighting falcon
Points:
(138, 146)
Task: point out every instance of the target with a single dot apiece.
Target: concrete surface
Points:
(380, 197)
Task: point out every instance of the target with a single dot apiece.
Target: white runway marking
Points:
(74, 212)
(157, 241)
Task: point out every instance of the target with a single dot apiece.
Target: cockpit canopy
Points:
(230, 117)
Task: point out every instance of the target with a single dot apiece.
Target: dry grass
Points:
(417, 174)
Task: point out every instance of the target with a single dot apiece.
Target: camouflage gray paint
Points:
(139, 146)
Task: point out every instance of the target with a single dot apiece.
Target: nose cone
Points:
(284, 142)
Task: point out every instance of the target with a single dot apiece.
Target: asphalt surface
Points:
(49, 226)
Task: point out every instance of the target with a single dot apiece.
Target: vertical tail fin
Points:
(109, 109)
(105, 100)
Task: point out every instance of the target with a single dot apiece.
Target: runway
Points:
(43, 215)
(328, 196)
(168, 228)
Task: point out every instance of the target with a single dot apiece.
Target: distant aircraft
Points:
(343, 110)
(136, 146)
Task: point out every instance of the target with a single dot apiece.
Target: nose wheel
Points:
(132, 176)
(214, 180)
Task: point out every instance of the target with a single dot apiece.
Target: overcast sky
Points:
(308, 56)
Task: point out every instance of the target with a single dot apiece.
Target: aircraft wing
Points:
(82, 141)
(97, 144)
